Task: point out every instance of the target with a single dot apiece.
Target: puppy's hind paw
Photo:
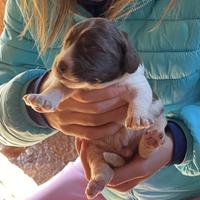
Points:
(94, 187)
(150, 141)
(154, 138)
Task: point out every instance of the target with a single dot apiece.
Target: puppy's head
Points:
(94, 51)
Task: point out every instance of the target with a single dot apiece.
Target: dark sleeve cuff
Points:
(179, 142)
(34, 87)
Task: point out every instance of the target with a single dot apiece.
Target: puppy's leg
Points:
(117, 142)
(49, 99)
(140, 98)
(101, 172)
(113, 159)
(155, 135)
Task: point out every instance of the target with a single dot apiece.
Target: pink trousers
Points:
(69, 184)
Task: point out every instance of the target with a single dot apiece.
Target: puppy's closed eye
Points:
(61, 67)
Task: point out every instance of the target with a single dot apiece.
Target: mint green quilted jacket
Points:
(171, 54)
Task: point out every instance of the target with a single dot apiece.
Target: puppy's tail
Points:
(113, 159)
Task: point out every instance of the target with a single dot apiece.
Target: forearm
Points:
(17, 128)
(171, 152)
(187, 119)
(20, 63)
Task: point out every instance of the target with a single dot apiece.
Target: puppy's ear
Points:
(131, 59)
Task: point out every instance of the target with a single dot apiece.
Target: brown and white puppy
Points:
(95, 55)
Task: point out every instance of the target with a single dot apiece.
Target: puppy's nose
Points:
(61, 67)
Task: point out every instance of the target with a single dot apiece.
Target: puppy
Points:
(95, 55)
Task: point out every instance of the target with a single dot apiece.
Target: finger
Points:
(126, 173)
(140, 167)
(137, 168)
(83, 156)
(124, 187)
(84, 119)
(92, 108)
(87, 96)
(78, 142)
(90, 133)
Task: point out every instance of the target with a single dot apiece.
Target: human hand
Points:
(90, 114)
(126, 152)
(135, 171)
(139, 169)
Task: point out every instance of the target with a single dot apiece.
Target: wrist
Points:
(169, 145)
(179, 142)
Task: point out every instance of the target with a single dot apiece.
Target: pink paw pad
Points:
(154, 138)
(94, 187)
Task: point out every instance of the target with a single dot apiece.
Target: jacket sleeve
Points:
(19, 65)
(188, 118)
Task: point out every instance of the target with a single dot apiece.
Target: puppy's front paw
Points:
(39, 103)
(138, 120)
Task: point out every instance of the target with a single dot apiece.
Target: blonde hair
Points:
(49, 24)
